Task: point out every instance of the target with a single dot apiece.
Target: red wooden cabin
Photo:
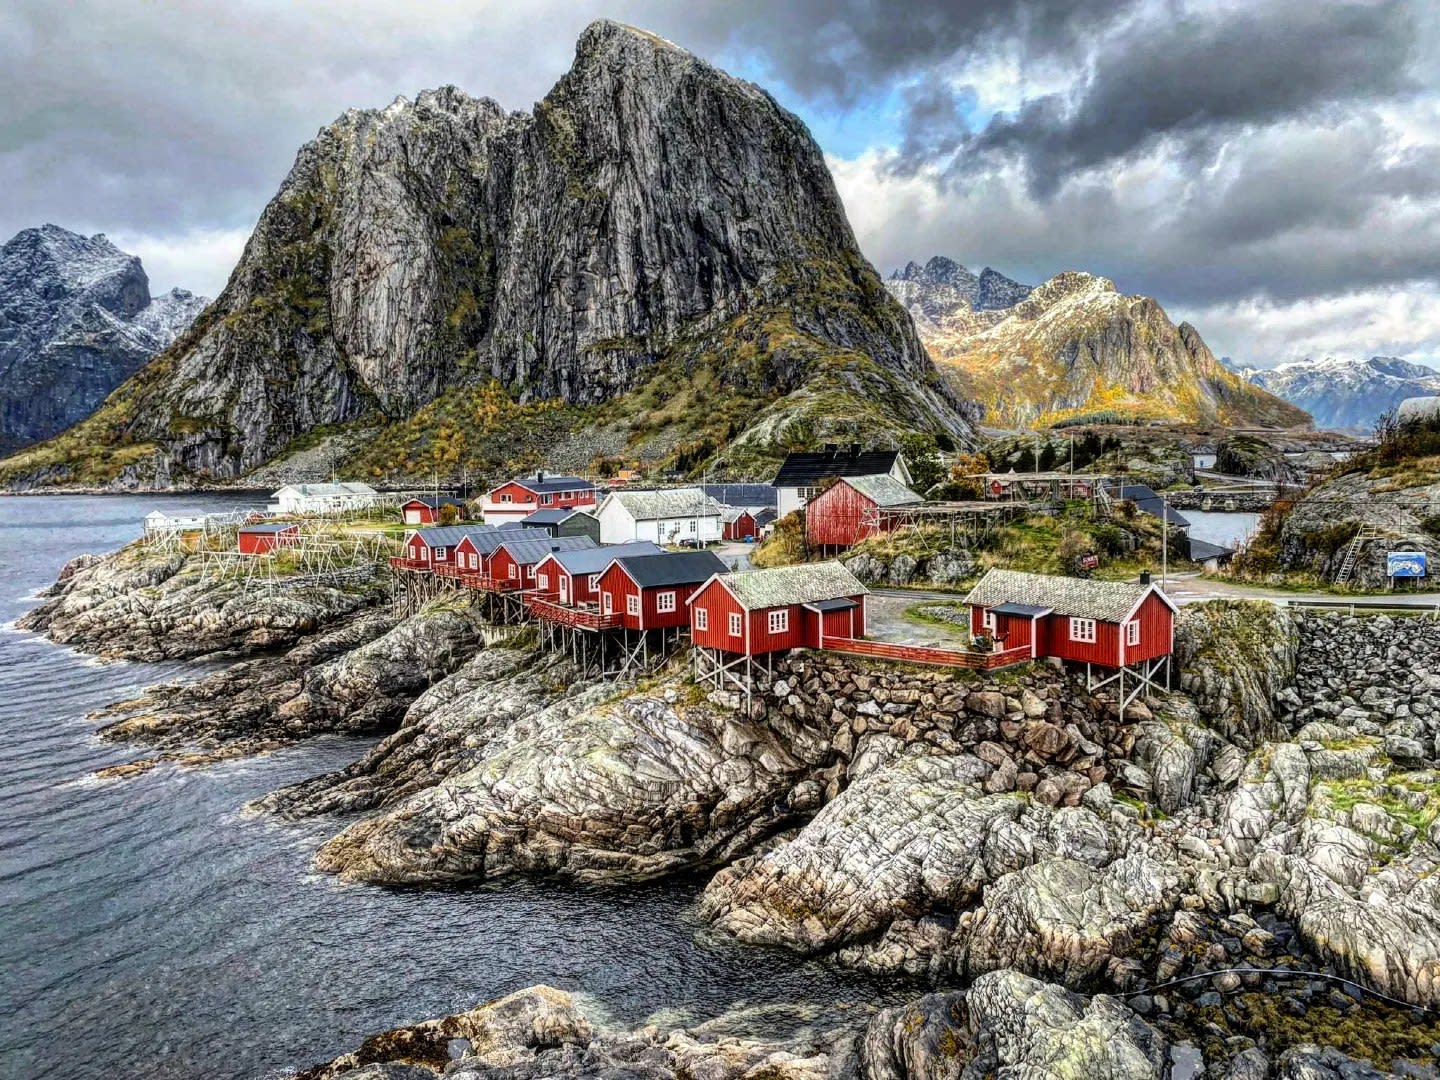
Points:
(521, 497)
(853, 508)
(455, 545)
(264, 538)
(648, 592)
(472, 553)
(738, 523)
(1114, 624)
(790, 607)
(573, 577)
(512, 565)
(426, 511)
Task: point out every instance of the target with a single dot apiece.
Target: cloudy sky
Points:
(1269, 169)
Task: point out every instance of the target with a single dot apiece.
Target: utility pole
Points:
(1164, 542)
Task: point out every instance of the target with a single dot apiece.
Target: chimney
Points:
(539, 476)
(1144, 577)
(854, 449)
(830, 448)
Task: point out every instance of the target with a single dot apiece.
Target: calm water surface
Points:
(148, 929)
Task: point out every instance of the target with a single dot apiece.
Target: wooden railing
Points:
(924, 654)
(555, 612)
(399, 562)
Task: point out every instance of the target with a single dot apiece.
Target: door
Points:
(607, 604)
(564, 588)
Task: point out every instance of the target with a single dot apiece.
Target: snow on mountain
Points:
(76, 320)
(1342, 393)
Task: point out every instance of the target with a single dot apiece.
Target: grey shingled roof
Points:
(883, 490)
(1148, 501)
(449, 535)
(669, 503)
(593, 560)
(1108, 601)
(807, 583)
(528, 551)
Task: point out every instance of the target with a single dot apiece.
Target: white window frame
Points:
(665, 602)
(737, 624)
(440, 553)
(545, 498)
(512, 571)
(1132, 632)
(779, 621)
(632, 604)
(1083, 630)
(702, 618)
(543, 581)
(987, 620)
(506, 498)
(594, 582)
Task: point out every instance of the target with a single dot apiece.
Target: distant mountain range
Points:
(1347, 393)
(1073, 348)
(76, 320)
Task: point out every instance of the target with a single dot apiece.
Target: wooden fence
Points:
(924, 654)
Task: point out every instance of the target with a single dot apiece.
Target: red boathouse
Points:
(265, 538)
(512, 565)
(757, 612)
(573, 577)
(648, 592)
(426, 511)
(853, 508)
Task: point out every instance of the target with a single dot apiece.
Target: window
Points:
(424, 554)
(545, 498)
(512, 572)
(543, 580)
(779, 622)
(690, 525)
(702, 619)
(440, 553)
(987, 621)
(1082, 630)
(1132, 632)
(735, 623)
(665, 601)
(632, 604)
(507, 498)
(594, 582)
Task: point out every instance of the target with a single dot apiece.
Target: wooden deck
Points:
(552, 611)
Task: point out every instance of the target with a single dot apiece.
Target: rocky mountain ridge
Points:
(651, 213)
(76, 320)
(943, 287)
(1075, 347)
(1342, 393)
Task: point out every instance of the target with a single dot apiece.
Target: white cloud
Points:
(196, 259)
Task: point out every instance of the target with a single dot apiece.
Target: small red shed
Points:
(573, 577)
(1114, 624)
(649, 592)
(790, 607)
(265, 538)
(738, 523)
(512, 565)
(853, 508)
(426, 511)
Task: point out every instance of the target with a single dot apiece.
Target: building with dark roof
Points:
(521, 497)
(803, 474)
(1148, 501)
(648, 592)
(565, 522)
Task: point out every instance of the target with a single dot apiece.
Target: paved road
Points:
(1191, 588)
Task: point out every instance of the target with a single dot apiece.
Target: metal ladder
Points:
(1363, 535)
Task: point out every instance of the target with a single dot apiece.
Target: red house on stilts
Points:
(1122, 626)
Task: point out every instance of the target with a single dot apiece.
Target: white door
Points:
(607, 605)
(564, 588)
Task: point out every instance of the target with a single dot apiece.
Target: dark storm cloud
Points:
(1197, 77)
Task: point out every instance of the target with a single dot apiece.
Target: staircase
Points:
(1363, 535)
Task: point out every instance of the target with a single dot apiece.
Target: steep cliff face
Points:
(76, 320)
(1077, 347)
(650, 210)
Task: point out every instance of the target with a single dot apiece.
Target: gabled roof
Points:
(805, 469)
(766, 516)
(1107, 601)
(434, 503)
(484, 537)
(752, 495)
(540, 483)
(680, 502)
(528, 551)
(806, 583)
(671, 568)
(326, 490)
(592, 560)
(883, 490)
(274, 527)
(1149, 502)
(731, 514)
(551, 516)
(1203, 550)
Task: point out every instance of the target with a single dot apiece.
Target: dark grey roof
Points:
(276, 527)
(593, 560)
(525, 552)
(1108, 601)
(752, 495)
(809, 468)
(434, 503)
(1203, 550)
(1149, 502)
(672, 568)
(766, 516)
(1027, 611)
(839, 604)
(552, 483)
(552, 516)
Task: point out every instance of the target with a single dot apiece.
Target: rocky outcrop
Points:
(650, 208)
(146, 604)
(946, 567)
(76, 320)
(1245, 455)
(1236, 659)
(1075, 347)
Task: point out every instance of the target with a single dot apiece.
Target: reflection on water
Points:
(151, 929)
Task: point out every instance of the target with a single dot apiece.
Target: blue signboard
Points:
(1405, 564)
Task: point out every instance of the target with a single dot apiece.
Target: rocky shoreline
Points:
(1051, 868)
